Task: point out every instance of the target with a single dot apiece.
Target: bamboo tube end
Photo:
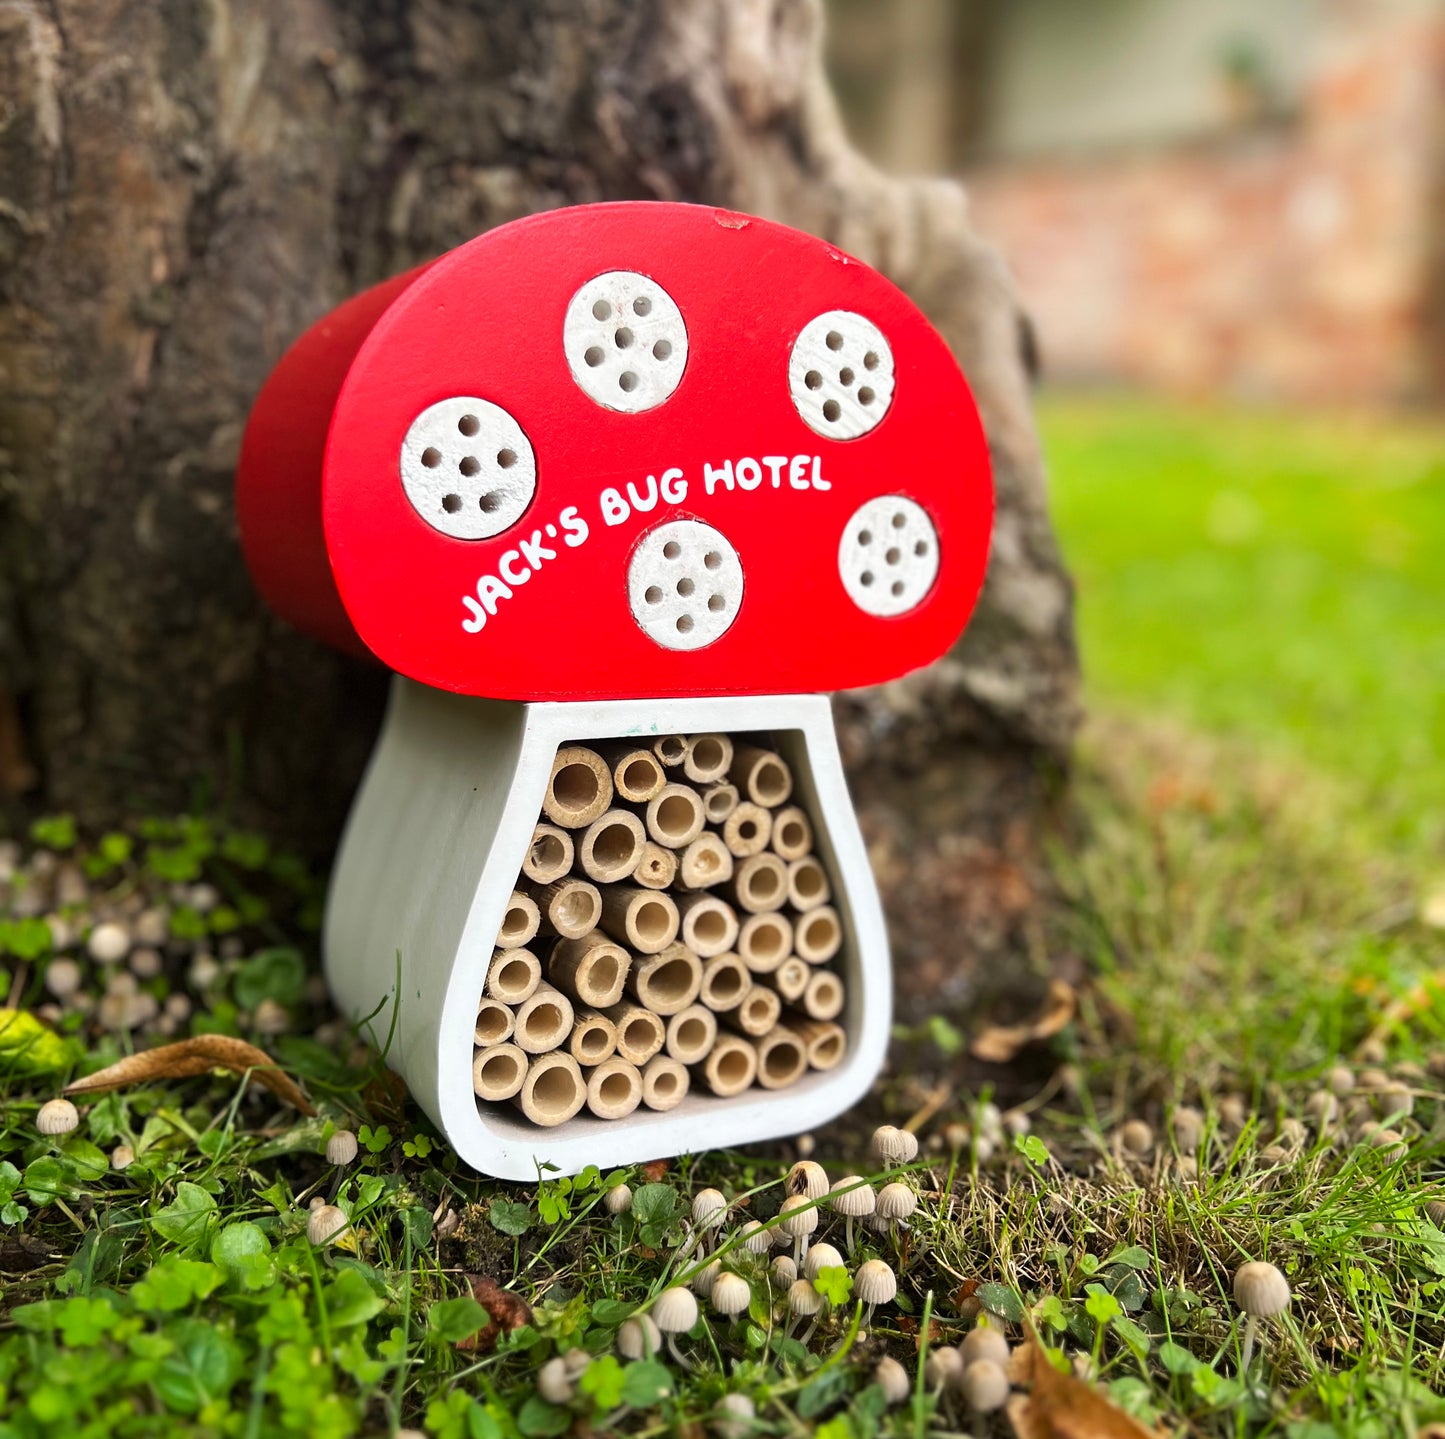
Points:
(614, 1089)
(519, 921)
(691, 1034)
(513, 976)
(791, 978)
(611, 846)
(807, 884)
(747, 829)
(706, 862)
(782, 1059)
(544, 1021)
(657, 868)
(580, 788)
(725, 980)
(824, 996)
(760, 883)
(550, 854)
(758, 1012)
(818, 934)
(707, 758)
(719, 801)
(665, 1083)
(671, 749)
(709, 925)
(667, 982)
(591, 968)
(792, 833)
(764, 942)
(675, 816)
(646, 920)
(640, 1033)
(761, 775)
(826, 1043)
(593, 1039)
(495, 1022)
(731, 1067)
(637, 774)
(553, 1091)
(499, 1072)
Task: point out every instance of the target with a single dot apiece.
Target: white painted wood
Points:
(431, 854)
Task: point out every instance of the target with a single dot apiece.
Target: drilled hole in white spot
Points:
(823, 389)
(894, 533)
(668, 568)
(467, 468)
(630, 366)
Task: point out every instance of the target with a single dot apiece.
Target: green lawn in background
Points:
(1277, 576)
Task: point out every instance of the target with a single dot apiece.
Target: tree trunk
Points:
(184, 186)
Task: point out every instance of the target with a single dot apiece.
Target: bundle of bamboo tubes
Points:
(671, 925)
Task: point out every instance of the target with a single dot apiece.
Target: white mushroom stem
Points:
(1246, 1353)
(681, 1358)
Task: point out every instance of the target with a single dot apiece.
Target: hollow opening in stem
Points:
(575, 786)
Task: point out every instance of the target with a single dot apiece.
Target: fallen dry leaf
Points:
(654, 1169)
(999, 1043)
(508, 1311)
(1058, 1406)
(196, 1056)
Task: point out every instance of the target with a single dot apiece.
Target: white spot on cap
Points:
(625, 341)
(685, 584)
(467, 468)
(888, 555)
(840, 375)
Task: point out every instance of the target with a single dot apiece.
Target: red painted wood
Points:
(486, 320)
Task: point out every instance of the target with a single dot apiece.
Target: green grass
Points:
(1276, 577)
(1258, 799)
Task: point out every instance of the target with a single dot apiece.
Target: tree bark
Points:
(185, 186)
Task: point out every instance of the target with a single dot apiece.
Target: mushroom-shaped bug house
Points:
(620, 493)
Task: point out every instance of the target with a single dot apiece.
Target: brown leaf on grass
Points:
(654, 1169)
(999, 1043)
(196, 1056)
(1058, 1406)
(507, 1311)
(385, 1095)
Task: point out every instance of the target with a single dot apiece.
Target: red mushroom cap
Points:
(508, 431)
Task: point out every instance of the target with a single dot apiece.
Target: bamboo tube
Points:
(758, 1012)
(709, 924)
(825, 1043)
(611, 846)
(664, 1083)
(730, 1067)
(761, 775)
(593, 1037)
(671, 749)
(519, 921)
(691, 1034)
(668, 982)
(495, 1022)
(818, 935)
(674, 816)
(592, 969)
(614, 1089)
(704, 863)
(724, 982)
(824, 996)
(657, 868)
(640, 1032)
(759, 884)
(791, 978)
(569, 907)
(792, 833)
(747, 829)
(719, 801)
(782, 1058)
(643, 919)
(513, 975)
(636, 772)
(549, 856)
(580, 788)
(807, 884)
(544, 1021)
(553, 1090)
(498, 1072)
(764, 942)
(707, 758)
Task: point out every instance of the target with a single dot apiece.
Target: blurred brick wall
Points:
(1299, 260)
